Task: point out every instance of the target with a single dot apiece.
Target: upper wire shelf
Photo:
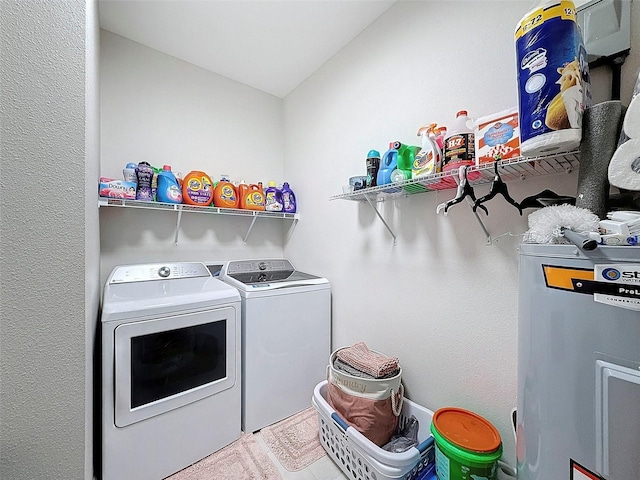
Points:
(511, 169)
(181, 207)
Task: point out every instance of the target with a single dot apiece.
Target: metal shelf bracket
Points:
(253, 221)
(175, 240)
(395, 241)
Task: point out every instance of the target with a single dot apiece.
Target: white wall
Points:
(441, 299)
(162, 110)
(49, 237)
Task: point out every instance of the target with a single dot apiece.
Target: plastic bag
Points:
(405, 439)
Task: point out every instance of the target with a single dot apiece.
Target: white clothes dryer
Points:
(286, 337)
(170, 373)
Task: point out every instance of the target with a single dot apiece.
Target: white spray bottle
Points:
(429, 160)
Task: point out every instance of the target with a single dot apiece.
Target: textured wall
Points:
(43, 410)
(92, 286)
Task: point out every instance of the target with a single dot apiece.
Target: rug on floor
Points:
(244, 459)
(294, 441)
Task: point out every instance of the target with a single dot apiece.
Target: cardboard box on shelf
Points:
(112, 188)
(497, 137)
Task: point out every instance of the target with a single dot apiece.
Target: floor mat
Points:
(244, 459)
(294, 441)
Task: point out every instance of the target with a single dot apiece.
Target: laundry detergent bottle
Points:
(197, 189)
(144, 175)
(251, 196)
(290, 205)
(273, 198)
(225, 194)
(129, 173)
(406, 156)
(168, 189)
(388, 164)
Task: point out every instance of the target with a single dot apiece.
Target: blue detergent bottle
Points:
(388, 164)
(288, 199)
(168, 190)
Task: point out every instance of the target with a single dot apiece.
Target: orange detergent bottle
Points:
(225, 194)
(197, 189)
(251, 196)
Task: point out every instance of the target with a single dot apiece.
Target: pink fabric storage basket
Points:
(370, 405)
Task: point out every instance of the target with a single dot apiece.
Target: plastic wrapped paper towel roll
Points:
(553, 79)
(624, 169)
(631, 125)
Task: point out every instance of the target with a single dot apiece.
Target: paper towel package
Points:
(553, 79)
(497, 137)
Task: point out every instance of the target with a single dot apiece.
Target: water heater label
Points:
(627, 273)
(623, 282)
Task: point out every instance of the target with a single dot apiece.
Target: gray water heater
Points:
(578, 363)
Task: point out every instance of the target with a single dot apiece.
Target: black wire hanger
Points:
(497, 187)
(546, 198)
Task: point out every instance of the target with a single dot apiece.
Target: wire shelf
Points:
(150, 205)
(180, 208)
(509, 170)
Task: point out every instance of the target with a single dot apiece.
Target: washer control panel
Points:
(157, 271)
(244, 266)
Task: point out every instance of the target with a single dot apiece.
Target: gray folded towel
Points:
(345, 367)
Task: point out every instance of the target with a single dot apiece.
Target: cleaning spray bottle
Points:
(273, 198)
(429, 159)
(440, 133)
(168, 189)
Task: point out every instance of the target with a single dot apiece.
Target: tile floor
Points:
(322, 469)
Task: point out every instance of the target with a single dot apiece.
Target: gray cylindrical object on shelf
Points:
(601, 126)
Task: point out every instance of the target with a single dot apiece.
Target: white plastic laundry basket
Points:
(361, 459)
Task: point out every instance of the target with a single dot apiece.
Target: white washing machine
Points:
(171, 390)
(286, 337)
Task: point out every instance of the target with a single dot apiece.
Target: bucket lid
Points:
(466, 429)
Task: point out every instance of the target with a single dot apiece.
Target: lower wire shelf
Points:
(512, 169)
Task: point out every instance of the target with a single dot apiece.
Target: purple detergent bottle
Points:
(288, 199)
(144, 173)
(273, 198)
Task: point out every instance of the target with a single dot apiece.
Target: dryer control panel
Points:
(157, 271)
